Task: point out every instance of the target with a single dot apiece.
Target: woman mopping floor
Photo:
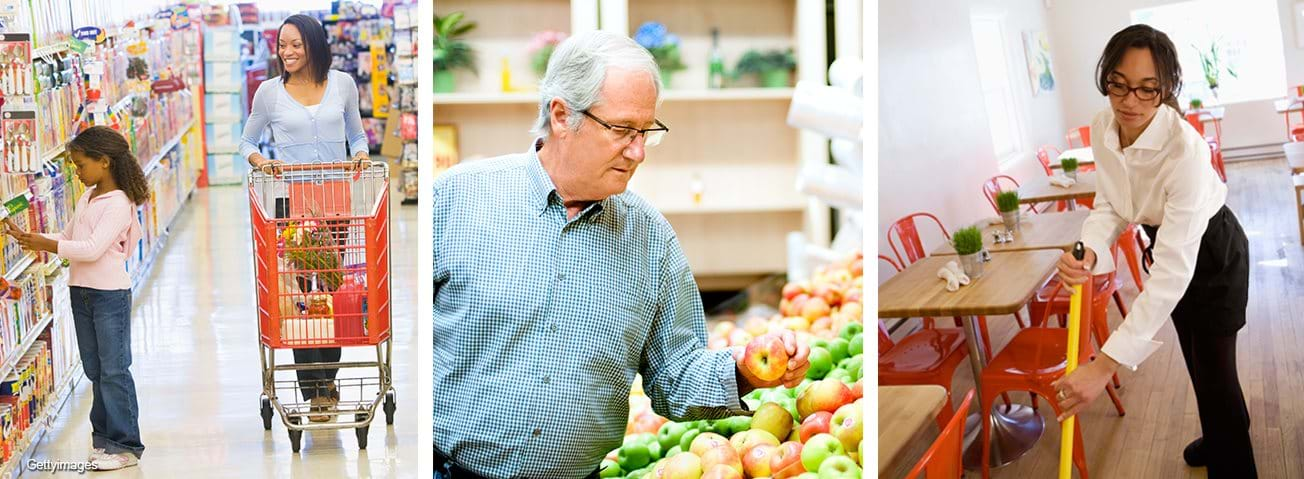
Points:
(1154, 170)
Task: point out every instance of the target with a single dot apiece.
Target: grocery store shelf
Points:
(22, 452)
(723, 188)
(52, 154)
(726, 94)
(17, 354)
(158, 157)
(50, 50)
(23, 264)
(138, 277)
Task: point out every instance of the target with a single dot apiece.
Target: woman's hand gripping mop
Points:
(1075, 322)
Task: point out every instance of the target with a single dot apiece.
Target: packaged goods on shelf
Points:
(24, 395)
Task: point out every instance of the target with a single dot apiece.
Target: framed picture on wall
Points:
(446, 154)
(1039, 67)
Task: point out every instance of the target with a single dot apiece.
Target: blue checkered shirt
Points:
(542, 322)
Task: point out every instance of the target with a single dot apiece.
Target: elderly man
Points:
(554, 286)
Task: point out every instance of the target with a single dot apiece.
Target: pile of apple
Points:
(820, 307)
(823, 439)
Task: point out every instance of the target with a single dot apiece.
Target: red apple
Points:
(798, 302)
(739, 337)
(755, 325)
(823, 395)
(722, 472)
(785, 458)
(725, 456)
(854, 294)
(847, 425)
(791, 290)
(857, 267)
(756, 462)
(648, 422)
(858, 389)
(830, 294)
(746, 440)
(766, 358)
(705, 442)
(683, 466)
(817, 423)
(815, 308)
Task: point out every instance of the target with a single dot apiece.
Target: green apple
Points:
(610, 469)
(808, 475)
(673, 450)
(633, 456)
(838, 347)
(840, 375)
(851, 329)
(819, 343)
(818, 449)
(805, 383)
(821, 361)
(839, 467)
(686, 442)
(774, 419)
(860, 453)
(853, 365)
(856, 346)
(670, 434)
(736, 424)
(847, 425)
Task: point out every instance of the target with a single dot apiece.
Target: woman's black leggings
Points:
(1224, 419)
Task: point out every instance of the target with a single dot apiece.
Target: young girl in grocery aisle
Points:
(97, 241)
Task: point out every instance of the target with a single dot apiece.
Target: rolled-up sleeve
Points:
(259, 115)
(684, 380)
(1176, 249)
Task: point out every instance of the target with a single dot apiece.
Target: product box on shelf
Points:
(227, 169)
(222, 43)
(18, 129)
(223, 76)
(224, 137)
(223, 107)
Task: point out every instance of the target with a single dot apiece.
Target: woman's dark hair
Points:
(101, 142)
(1163, 52)
(314, 43)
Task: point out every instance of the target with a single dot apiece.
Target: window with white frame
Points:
(1235, 45)
(994, 77)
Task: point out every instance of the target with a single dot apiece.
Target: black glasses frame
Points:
(659, 128)
(1110, 85)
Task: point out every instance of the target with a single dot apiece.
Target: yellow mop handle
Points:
(1075, 320)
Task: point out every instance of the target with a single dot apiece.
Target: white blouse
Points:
(1163, 179)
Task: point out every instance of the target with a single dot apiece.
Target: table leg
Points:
(1073, 204)
(1014, 430)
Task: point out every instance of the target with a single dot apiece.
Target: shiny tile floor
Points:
(194, 339)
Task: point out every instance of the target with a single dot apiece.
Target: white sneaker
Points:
(113, 462)
(95, 453)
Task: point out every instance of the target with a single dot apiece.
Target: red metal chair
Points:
(945, 458)
(1079, 137)
(993, 187)
(1215, 142)
(1054, 299)
(1032, 360)
(927, 356)
(1043, 156)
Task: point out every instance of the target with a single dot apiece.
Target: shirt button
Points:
(561, 276)
(554, 328)
(546, 380)
(537, 432)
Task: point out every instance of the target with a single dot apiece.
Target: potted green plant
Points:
(1070, 166)
(1197, 104)
(541, 48)
(664, 47)
(968, 243)
(1211, 63)
(451, 52)
(1008, 204)
(773, 67)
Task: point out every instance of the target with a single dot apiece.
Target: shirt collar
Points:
(1155, 135)
(543, 191)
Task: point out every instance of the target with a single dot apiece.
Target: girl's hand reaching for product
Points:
(30, 241)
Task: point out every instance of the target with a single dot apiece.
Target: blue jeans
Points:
(103, 321)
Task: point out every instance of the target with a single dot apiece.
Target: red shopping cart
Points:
(321, 264)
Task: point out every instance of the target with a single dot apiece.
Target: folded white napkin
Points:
(952, 283)
(1062, 181)
(959, 272)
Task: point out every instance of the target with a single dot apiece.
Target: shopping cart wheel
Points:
(362, 431)
(267, 414)
(296, 435)
(390, 407)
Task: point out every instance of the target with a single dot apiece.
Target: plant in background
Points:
(1196, 104)
(1007, 201)
(772, 66)
(967, 241)
(541, 47)
(451, 52)
(663, 45)
(1070, 165)
(1211, 63)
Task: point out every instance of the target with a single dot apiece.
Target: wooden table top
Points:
(1040, 190)
(1084, 156)
(904, 412)
(1036, 231)
(1008, 282)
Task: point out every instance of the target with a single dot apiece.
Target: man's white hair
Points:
(577, 69)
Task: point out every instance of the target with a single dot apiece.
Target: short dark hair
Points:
(1162, 51)
(314, 42)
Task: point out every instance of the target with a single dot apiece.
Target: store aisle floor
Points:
(195, 347)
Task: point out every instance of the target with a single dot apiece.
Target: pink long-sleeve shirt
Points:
(103, 232)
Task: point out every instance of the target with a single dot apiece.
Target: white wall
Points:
(1079, 30)
(935, 149)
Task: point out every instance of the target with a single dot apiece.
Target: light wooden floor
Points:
(1161, 412)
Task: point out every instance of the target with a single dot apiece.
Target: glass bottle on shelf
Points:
(716, 75)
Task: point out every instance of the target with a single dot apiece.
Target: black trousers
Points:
(446, 469)
(314, 382)
(1207, 320)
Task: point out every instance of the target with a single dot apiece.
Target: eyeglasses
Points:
(625, 134)
(1121, 90)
